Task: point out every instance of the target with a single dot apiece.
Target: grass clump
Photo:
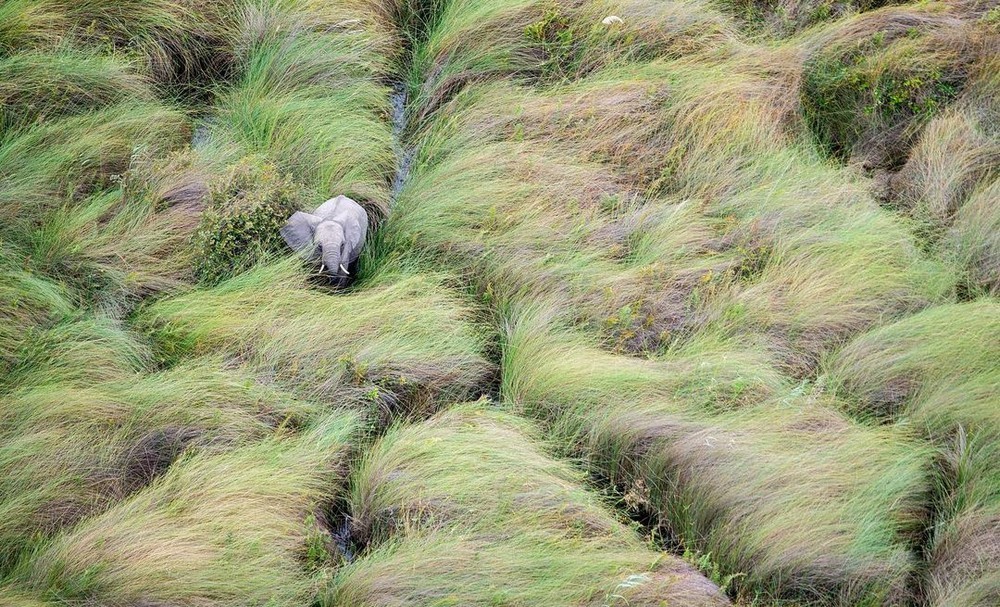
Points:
(74, 444)
(74, 157)
(937, 371)
(310, 99)
(171, 39)
(30, 302)
(403, 342)
(216, 529)
(867, 93)
(962, 556)
(763, 487)
(948, 178)
(39, 86)
(887, 371)
(477, 514)
(955, 154)
(972, 243)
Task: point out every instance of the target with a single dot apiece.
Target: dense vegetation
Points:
(687, 303)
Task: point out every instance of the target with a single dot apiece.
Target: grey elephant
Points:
(332, 236)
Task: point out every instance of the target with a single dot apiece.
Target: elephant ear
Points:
(299, 230)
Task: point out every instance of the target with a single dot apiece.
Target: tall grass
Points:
(307, 93)
(400, 339)
(475, 514)
(86, 424)
(937, 371)
(780, 255)
(799, 499)
(215, 529)
(735, 272)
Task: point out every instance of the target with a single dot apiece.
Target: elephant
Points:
(332, 236)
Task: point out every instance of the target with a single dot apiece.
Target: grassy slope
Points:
(742, 270)
(687, 214)
(475, 514)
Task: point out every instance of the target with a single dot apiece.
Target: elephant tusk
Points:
(344, 270)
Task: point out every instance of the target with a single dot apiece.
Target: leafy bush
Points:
(554, 35)
(784, 18)
(240, 227)
(872, 95)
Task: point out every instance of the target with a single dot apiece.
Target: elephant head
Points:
(332, 236)
(351, 216)
(333, 248)
(298, 232)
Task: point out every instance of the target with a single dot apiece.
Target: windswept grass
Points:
(71, 449)
(871, 83)
(938, 371)
(770, 257)
(475, 514)
(888, 371)
(403, 342)
(972, 243)
(783, 245)
(799, 499)
(43, 86)
(78, 155)
(309, 99)
(214, 530)
(731, 264)
(172, 38)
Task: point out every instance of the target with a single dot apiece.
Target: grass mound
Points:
(761, 487)
(215, 530)
(937, 370)
(868, 92)
(478, 515)
(721, 275)
(402, 342)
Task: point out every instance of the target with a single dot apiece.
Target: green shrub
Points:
(554, 35)
(240, 227)
(871, 96)
(784, 18)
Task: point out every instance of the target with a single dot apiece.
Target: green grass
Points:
(867, 93)
(721, 276)
(772, 485)
(937, 372)
(43, 86)
(216, 529)
(311, 103)
(404, 335)
(74, 447)
(887, 371)
(469, 506)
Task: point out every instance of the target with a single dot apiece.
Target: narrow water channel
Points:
(404, 153)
